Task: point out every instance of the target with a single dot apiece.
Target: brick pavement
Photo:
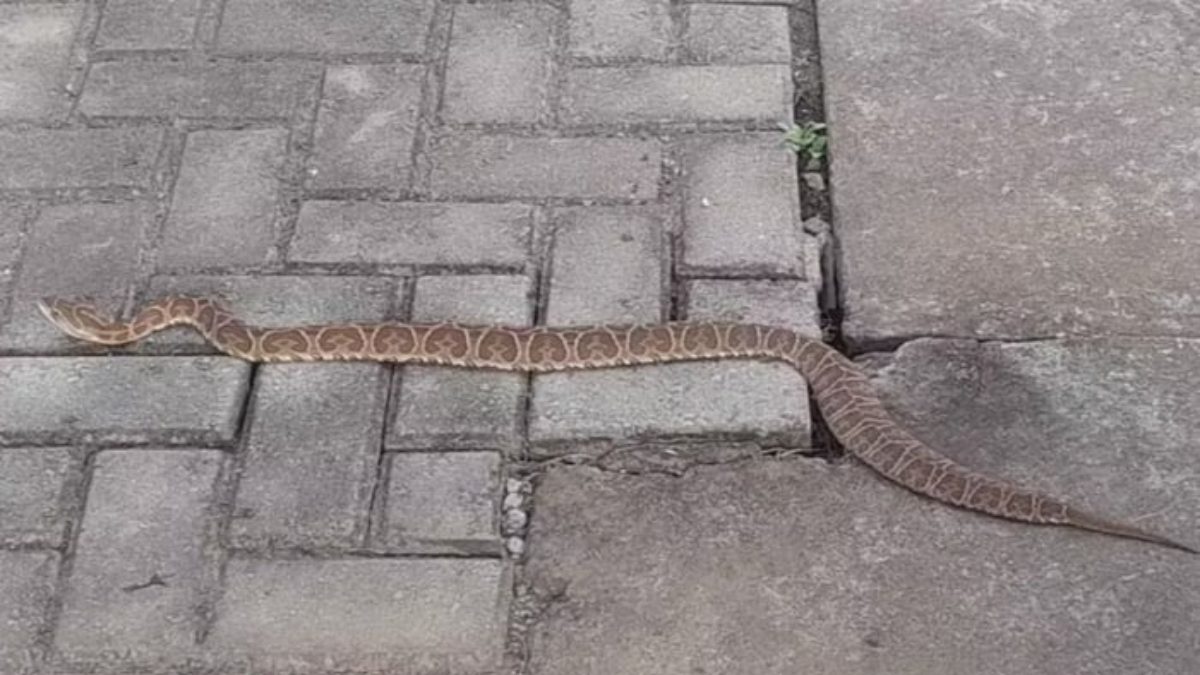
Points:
(169, 510)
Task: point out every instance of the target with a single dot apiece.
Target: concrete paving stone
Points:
(499, 65)
(366, 125)
(741, 208)
(402, 616)
(620, 29)
(318, 27)
(311, 459)
(784, 302)
(607, 266)
(441, 408)
(279, 300)
(13, 219)
(135, 586)
(46, 159)
(1108, 423)
(25, 590)
(397, 233)
(766, 403)
(31, 495)
(482, 165)
(991, 146)
(718, 34)
(35, 43)
(74, 250)
(699, 93)
(224, 207)
(447, 497)
(773, 567)
(129, 400)
(147, 24)
(164, 89)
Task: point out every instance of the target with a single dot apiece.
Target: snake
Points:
(847, 402)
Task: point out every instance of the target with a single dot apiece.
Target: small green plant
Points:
(807, 139)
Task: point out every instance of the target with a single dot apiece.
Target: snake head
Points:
(77, 318)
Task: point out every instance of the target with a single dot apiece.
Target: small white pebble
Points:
(513, 486)
(515, 521)
(515, 545)
(513, 500)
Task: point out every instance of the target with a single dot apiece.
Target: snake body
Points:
(850, 407)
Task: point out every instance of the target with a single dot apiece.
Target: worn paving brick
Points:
(699, 93)
(30, 495)
(12, 230)
(784, 302)
(224, 207)
(88, 158)
(480, 165)
(741, 207)
(25, 589)
(35, 41)
(72, 250)
(441, 408)
(607, 266)
(320, 27)
(620, 29)
(401, 616)
(135, 584)
(718, 34)
(279, 300)
(309, 466)
(211, 90)
(120, 400)
(147, 24)
(397, 233)
(365, 126)
(499, 65)
(443, 497)
(766, 403)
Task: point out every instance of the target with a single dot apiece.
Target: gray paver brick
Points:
(147, 24)
(449, 497)
(620, 29)
(479, 165)
(280, 300)
(774, 568)
(945, 126)
(607, 266)
(35, 40)
(437, 408)
(25, 589)
(499, 65)
(763, 402)
(699, 93)
(12, 229)
(316, 26)
(121, 400)
(383, 615)
(741, 207)
(147, 515)
(90, 158)
(217, 90)
(224, 207)
(71, 250)
(719, 34)
(366, 125)
(311, 459)
(397, 233)
(31, 493)
(784, 302)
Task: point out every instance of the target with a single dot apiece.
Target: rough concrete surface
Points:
(1008, 169)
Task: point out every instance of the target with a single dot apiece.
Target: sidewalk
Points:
(998, 175)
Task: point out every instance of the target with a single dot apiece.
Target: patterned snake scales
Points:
(849, 406)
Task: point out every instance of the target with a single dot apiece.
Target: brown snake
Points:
(848, 404)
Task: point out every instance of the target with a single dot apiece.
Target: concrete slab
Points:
(780, 567)
(1001, 169)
